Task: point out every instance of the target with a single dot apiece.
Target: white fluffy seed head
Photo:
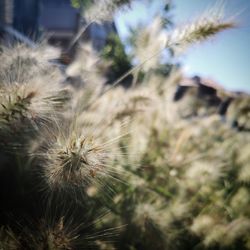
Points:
(75, 160)
(21, 64)
(103, 10)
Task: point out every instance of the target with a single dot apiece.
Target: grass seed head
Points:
(75, 161)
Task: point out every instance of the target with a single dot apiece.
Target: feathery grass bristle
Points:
(103, 10)
(75, 161)
(200, 30)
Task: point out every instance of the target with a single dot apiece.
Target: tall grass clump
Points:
(84, 165)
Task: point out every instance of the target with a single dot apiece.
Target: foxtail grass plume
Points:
(75, 160)
(22, 64)
(103, 10)
(29, 86)
(206, 26)
(226, 234)
(36, 101)
(148, 42)
(58, 236)
(42, 235)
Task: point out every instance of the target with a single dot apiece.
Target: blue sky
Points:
(225, 58)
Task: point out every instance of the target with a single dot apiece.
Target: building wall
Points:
(26, 16)
(56, 20)
(58, 15)
(6, 11)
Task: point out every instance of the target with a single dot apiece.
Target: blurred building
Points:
(55, 20)
(200, 97)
